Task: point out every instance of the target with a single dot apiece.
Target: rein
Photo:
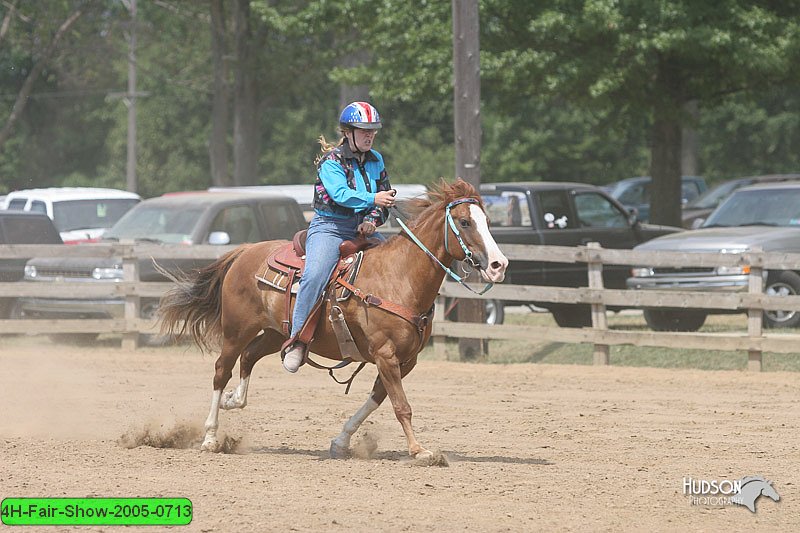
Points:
(467, 252)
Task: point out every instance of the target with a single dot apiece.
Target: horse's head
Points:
(467, 236)
(769, 491)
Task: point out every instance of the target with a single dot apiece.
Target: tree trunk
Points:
(353, 93)
(467, 111)
(689, 143)
(665, 159)
(220, 110)
(665, 169)
(33, 75)
(246, 134)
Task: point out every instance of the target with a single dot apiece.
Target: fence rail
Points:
(130, 290)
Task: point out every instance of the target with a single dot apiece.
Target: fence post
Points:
(130, 274)
(755, 317)
(599, 318)
(439, 341)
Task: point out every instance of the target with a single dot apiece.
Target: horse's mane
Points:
(439, 195)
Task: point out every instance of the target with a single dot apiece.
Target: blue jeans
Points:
(325, 234)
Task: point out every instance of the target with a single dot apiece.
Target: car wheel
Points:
(785, 283)
(671, 320)
(572, 316)
(494, 311)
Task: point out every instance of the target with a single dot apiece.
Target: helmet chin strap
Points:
(353, 141)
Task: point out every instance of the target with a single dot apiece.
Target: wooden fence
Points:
(754, 301)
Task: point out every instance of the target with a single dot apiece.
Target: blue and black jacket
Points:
(346, 188)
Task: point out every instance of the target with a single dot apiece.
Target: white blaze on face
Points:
(497, 262)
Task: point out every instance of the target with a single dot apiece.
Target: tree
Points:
(643, 59)
(220, 111)
(41, 57)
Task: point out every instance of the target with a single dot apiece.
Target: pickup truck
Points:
(21, 227)
(179, 218)
(562, 214)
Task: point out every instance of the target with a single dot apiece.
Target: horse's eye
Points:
(464, 223)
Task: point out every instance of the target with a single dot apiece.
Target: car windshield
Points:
(161, 223)
(508, 209)
(712, 198)
(770, 207)
(69, 215)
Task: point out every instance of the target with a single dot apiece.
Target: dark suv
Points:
(563, 214)
(20, 227)
(179, 218)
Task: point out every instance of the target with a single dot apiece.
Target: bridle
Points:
(448, 221)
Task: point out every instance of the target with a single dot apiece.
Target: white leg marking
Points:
(236, 398)
(352, 425)
(210, 442)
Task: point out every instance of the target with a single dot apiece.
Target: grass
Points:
(507, 351)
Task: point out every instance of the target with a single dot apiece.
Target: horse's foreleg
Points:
(391, 376)
(340, 446)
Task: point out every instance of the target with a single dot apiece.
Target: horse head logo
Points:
(752, 488)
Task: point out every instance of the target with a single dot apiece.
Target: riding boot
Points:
(294, 357)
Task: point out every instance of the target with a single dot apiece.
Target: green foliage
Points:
(570, 89)
(745, 137)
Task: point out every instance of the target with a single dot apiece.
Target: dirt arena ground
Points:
(529, 447)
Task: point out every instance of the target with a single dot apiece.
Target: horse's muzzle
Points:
(495, 271)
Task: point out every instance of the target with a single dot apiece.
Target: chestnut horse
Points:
(222, 303)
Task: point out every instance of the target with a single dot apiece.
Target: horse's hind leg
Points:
(340, 446)
(231, 348)
(266, 343)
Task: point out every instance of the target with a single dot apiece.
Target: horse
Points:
(222, 305)
(752, 488)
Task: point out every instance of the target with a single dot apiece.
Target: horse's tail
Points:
(194, 305)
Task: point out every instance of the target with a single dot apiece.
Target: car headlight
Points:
(107, 273)
(732, 270)
(30, 272)
(642, 272)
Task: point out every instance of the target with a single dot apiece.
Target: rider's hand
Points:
(385, 198)
(366, 229)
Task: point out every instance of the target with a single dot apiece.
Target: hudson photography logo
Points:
(729, 492)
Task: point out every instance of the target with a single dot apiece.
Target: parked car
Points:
(18, 227)
(562, 214)
(80, 214)
(696, 211)
(304, 194)
(635, 192)
(189, 218)
(765, 216)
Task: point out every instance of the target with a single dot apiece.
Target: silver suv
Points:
(763, 216)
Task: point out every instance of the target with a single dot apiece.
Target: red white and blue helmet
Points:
(361, 115)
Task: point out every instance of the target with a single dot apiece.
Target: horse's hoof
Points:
(211, 445)
(339, 452)
(424, 455)
(427, 458)
(229, 401)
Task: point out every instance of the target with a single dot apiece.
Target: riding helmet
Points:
(361, 115)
